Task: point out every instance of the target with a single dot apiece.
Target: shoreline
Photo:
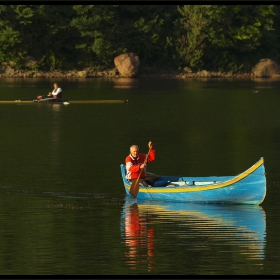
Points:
(113, 73)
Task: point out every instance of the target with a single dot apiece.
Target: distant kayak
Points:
(65, 102)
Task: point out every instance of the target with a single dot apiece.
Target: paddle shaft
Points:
(134, 189)
(43, 96)
(47, 99)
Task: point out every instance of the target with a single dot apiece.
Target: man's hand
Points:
(150, 145)
(143, 165)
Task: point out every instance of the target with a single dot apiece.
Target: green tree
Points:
(222, 37)
(109, 30)
(211, 37)
(95, 24)
(147, 32)
(270, 41)
(41, 31)
(192, 26)
(10, 39)
(49, 37)
(235, 33)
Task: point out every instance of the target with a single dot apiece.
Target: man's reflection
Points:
(139, 238)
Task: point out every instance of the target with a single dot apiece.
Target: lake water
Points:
(63, 205)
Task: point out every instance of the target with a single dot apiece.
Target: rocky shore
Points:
(266, 68)
(9, 72)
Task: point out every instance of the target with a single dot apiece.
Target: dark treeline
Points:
(211, 37)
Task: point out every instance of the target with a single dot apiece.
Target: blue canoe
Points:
(248, 187)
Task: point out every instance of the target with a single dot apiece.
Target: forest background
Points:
(211, 37)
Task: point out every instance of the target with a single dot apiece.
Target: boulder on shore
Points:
(266, 68)
(127, 64)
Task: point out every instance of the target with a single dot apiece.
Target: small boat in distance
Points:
(51, 101)
(248, 187)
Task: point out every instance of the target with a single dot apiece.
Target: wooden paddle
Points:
(134, 189)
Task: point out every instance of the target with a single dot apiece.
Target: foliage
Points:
(211, 37)
(235, 33)
(191, 33)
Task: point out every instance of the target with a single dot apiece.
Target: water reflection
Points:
(125, 83)
(242, 228)
(139, 238)
(55, 134)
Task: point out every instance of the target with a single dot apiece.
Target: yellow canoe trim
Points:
(203, 188)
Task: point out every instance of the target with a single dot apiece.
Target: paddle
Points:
(26, 99)
(51, 98)
(44, 99)
(134, 189)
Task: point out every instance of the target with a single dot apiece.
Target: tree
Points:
(235, 32)
(9, 36)
(191, 34)
(49, 36)
(109, 30)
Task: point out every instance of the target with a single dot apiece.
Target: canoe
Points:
(35, 101)
(248, 187)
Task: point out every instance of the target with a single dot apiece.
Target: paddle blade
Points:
(134, 189)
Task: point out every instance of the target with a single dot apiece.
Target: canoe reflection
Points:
(241, 226)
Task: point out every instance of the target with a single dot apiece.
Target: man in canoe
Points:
(56, 93)
(135, 162)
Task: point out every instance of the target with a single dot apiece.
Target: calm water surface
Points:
(63, 206)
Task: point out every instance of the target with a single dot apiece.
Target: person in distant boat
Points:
(134, 163)
(56, 93)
